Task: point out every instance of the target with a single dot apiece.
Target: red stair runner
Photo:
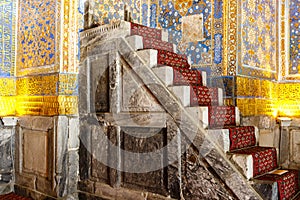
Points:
(144, 31)
(264, 158)
(288, 183)
(203, 96)
(183, 76)
(12, 196)
(151, 43)
(171, 59)
(221, 116)
(241, 137)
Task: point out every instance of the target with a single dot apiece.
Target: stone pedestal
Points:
(47, 157)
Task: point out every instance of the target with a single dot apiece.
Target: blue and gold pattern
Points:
(7, 37)
(36, 34)
(294, 68)
(170, 18)
(258, 38)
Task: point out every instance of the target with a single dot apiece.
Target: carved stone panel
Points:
(35, 152)
(102, 93)
(98, 82)
(135, 95)
(136, 140)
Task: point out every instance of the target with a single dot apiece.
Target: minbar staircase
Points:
(259, 165)
(206, 103)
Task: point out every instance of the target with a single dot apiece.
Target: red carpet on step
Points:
(204, 96)
(287, 183)
(241, 137)
(184, 76)
(221, 116)
(171, 59)
(144, 31)
(12, 196)
(264, 158)
(152, 43)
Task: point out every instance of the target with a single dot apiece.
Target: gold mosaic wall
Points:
(260, 92)
(255, 96)
(288, 99)
(265, 97)
(45, 82)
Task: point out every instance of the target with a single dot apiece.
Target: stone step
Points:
(178, 76)
(278, 184)
(138, 42)
(183, 93)
(229, 115)
(233, 138)
(198, 95)
(149, 56)
(144, 31)
(255, 161)
(155, 58)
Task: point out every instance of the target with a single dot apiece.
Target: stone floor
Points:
(12, 196)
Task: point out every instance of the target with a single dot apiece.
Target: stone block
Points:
(73, 139)
(267, 189)
(135, 41)
(149, 56)
(221, 138)
(199, 113)
(36, 123)
(61, 143)
(182, 93)
(10, 121)
(42, 123)
(266, 138)
(165, 74)
(6, 163)
(245, 163)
